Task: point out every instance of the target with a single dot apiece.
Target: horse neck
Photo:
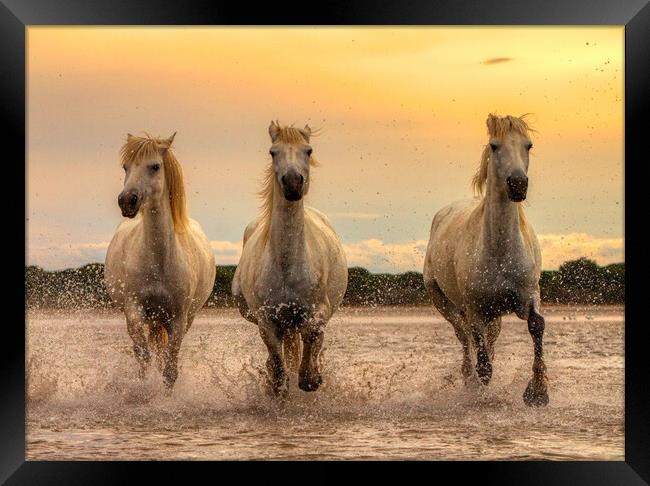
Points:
(287, 230)
(159, 236)
(501, 225)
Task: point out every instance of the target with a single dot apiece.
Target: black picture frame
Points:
(16, 15)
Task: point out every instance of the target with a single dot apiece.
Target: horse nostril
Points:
(134, 199)
(284, 179)
(302, 179)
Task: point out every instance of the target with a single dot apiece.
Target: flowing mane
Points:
(289, 135)
(138, 149)
(498, 127)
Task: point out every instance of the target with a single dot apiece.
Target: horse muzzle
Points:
(293, 185)
(517, 187)
(129, 203)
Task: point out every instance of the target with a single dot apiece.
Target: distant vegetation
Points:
(583, 281)
(579, 281)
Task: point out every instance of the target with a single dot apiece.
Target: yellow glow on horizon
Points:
(402, 112)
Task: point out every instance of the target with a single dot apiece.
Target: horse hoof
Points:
(310, 383)
(536, 395)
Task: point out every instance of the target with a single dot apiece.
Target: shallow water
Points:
(392, 390)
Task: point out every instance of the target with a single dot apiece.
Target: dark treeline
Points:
(579, 281)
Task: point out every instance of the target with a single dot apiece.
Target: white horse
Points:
(483, 259)
(292, 273)
(159, 267)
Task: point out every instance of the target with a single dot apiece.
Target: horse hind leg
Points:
(493, 331)
(292, 349)
(158, 342)
(156, 304)
(457, 319)
(176, 332)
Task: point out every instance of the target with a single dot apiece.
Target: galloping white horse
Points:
(159, 268)
(292, 273)
(483, 258)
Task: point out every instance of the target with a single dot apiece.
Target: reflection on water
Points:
(392, 390)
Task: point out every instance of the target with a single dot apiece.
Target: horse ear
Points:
(166, 143)
(306, 132)
(170, 139)
(129, 136)
(491, 123)
(274, 131)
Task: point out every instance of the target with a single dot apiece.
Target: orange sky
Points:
(402, 111)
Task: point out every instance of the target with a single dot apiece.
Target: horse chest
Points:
(498, 290)
(282, 291)
(287, 297)
(160, 286)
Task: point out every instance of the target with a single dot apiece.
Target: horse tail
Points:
(158, 337)
(292, 344)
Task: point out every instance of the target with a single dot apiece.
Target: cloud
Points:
(226, 252)
(377, 256)
(59, 257)
(72, 255)
(558, 248)
(373, 254)
(497, 60)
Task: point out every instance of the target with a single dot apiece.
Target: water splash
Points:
(392, 389)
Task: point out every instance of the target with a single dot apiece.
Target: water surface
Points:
(392, 390)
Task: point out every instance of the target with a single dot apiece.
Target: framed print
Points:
(378, 233)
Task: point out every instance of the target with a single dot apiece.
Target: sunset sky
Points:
(402, 113)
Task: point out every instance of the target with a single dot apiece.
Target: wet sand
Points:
(392, 390)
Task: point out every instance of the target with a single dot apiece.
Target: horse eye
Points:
(155, 167)
(494, 147)
(529, 146)
(309, 151)
(272, 152)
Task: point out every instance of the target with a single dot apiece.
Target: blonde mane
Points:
(290, 135)
(138, 149)
(498, 127)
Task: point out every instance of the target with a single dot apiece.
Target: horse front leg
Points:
(313, 334)
(457, 319)
(176, 331)
(466, 367)
(479, 328)
(536, 394)
(272, 336)
(135, 328)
